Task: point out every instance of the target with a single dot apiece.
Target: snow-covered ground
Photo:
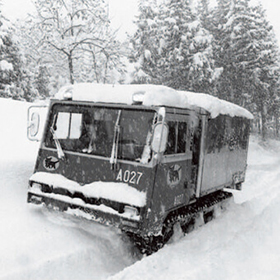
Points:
(242, 243)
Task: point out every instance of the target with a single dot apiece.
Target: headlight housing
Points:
(36, 186)
(131, 212)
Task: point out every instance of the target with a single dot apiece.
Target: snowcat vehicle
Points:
(141, 158)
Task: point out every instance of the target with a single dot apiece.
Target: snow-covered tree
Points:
(246, 51)
(146, 43)
(101, 64)
(71, 36)
(36, 58)
(172, 46)
(265, 72)
(42, 81)
(10, 63)
(204, 12)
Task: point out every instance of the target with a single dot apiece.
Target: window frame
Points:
(76, 108)
(179, 119)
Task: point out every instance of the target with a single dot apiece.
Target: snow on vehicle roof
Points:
(216, 106)
(152, 95)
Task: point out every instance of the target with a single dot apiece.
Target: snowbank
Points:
(36, 244)
(14, 144)
(153, 95)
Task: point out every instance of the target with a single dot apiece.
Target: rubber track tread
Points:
(151, 244)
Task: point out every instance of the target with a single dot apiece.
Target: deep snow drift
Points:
(242, 243)
(36, 244)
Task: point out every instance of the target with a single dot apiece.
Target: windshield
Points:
(90, 130)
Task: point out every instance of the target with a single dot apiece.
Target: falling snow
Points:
(241, 243)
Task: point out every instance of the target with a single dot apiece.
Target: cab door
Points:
(173, 187)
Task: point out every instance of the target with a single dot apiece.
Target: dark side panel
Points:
(173, 186)
(226, 147)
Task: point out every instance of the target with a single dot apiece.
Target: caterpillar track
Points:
(186, 217)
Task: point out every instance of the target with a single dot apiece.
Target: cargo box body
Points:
(224, 153)
(148, 158)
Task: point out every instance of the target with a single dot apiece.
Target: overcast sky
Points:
(123, 11)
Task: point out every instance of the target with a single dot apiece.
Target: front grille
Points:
(117, 206)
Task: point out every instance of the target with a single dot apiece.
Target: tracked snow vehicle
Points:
(139, 157)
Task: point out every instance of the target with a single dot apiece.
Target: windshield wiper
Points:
(60, 152)
(114, 153)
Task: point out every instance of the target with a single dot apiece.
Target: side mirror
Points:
(34, 122)
(159, 139)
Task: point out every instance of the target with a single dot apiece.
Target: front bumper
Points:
(97, 213)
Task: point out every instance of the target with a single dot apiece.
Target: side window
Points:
(62, 125)
(216, 135)
(171, 142)
(68, 125)
(177, 135)
(182, 137)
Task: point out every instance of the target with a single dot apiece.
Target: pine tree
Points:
(221, 30)
(263, 64)
(205, 14)
(9, 61)
(180, 27)
(146, 44)
(42, 81)
(172, 47)
(246, 51)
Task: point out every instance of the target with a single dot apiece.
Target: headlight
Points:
(36, 186)
(130, 211)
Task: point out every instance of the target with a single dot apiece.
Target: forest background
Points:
(226, 48)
